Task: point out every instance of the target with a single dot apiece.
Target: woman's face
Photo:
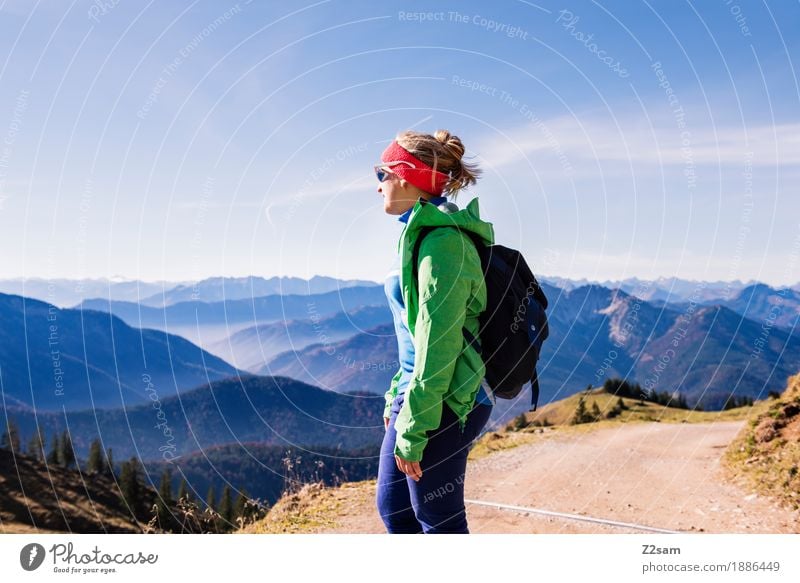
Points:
(398, 194)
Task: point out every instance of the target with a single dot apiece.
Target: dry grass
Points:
(499, 440)
(312, 508)
(22, 528)
(561, 412)
(765, 456)
(555, 419)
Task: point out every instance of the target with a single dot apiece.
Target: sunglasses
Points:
(382, 171)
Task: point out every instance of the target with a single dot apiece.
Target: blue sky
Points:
(182, 140)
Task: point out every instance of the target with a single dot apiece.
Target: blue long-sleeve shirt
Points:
(405, 343)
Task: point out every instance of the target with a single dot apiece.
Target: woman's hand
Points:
(411, 469)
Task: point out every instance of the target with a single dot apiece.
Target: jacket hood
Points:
(424, 214)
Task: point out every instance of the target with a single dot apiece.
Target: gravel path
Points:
(661, 475)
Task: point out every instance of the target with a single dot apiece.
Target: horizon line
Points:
(123, 279)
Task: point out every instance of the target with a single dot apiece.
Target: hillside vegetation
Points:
(765, 456)
(58, 492)
(35, 497)
(596, 408)
(313, 508)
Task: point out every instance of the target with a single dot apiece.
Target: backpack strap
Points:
(534, 390)
(427, 229)
(471, 340)
(415, 255)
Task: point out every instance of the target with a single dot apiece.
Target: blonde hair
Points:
(443, 152)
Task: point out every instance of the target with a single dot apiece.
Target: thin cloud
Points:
(600, 140)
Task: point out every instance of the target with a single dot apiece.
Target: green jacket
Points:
(451, 293)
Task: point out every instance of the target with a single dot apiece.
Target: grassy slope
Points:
(765, 456)
(556, 418)
(39, 497)
(312, 508)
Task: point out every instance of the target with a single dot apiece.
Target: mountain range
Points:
(252, 347)
(219, 289)
(596, 333)
(70, 292)
(206, 323)
(761, 303)
(53, 358)
(366, 361)
(664, 289)
(269, 410)
(343, 342)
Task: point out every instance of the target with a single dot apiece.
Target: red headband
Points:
(423, 176)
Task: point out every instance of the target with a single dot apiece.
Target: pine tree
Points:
(520, 422)
(226, 507)
(580, 411)
(131, 486)
(109, 467)
(239, 507)
(580, 414)
(127, 486)
(596, 414)
(245, 509)
(36, 445)
(211, 502)
(165, 502)
(211, 498)
(95, 463)
(54, 455)
(31, 448)
(183, 491)
(67, 452)
(10, 439)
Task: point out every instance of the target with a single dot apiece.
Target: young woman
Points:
(436, 405)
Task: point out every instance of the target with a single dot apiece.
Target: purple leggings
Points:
(435, 504)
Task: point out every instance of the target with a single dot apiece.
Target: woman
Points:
(435, 406)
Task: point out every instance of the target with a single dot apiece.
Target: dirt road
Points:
(661, 475)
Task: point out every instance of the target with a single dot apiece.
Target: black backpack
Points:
(514, 324)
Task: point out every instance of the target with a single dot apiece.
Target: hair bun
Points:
(452, 143)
